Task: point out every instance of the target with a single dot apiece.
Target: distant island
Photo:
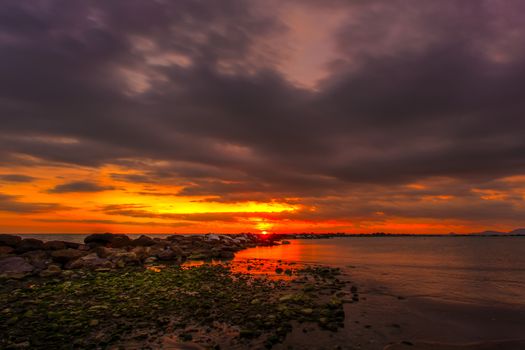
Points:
(311, 235)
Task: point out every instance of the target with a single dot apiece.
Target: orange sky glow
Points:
(262, 116)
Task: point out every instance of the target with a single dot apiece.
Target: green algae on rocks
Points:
(98, 309)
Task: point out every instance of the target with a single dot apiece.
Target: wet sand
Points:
(383, 321)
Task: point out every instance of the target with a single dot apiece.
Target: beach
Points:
(339, 293)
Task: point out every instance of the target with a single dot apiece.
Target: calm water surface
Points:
(480, 270)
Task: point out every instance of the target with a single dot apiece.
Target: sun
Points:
(264, 232)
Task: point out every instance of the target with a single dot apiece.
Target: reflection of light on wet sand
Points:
(273, 269)
(154, 268)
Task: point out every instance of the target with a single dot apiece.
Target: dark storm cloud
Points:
(16, 178)
(79, 186)
(13, 204)
(114, 222)
(415, 90)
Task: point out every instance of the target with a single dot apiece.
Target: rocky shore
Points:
(113, 292)
(20, 258)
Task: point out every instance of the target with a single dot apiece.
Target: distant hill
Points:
(516, 232)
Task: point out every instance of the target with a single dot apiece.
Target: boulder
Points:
(5, 250)
(38, 258)
(54, 245)
(141, 252)
(90, 261)
(103, 252)
(63, 256)
(143, 241)
(211, 237)
(121, 242)
(167, 254)
(28, 244)
(73, 245)
(51, 271)
(9, 240)
(123, 258)
(102, 238)
(15, 267)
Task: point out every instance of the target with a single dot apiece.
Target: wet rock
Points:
(54, 245)
(15, 267)
(198, 256)
(103, 239)
(150, 260)
(9, 240)
(28, 244)
(141, 252)
(307, 311)
(221, 253)
(63, 256)
(143, 241)
(103, 252)
(51, 271)
(38, 258)
(167, 254)
(5, 250)
(121, 242)
(122, 258)
(90, 261)
(225, 254)
(74, 245)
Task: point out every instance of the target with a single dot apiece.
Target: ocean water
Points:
(476, 270)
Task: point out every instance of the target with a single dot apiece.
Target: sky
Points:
(265, 115)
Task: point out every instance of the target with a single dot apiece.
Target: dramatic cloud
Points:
(16, 178)
(13, 204)
(358, 113)
(79, 186)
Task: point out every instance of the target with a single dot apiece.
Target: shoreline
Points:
(342, 311)
(104, 294)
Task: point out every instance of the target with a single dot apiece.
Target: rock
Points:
(51, 271)
(90, 261)
(124, 258)
(65, 255)
(28, 244)
(225, 254)
(177, 250)
(73, 245)
(150, 260)
(9, 240)
(54, 245)
(211, 237)
(143, 241)
(103, 252)
(121, 242)
(307, 311)
(167, 254)
(141, 252)
(102, 238)
(5, 250)
(15, 267)
(38, 258)
(198, 256)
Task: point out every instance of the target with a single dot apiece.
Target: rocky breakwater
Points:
(22, 257)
